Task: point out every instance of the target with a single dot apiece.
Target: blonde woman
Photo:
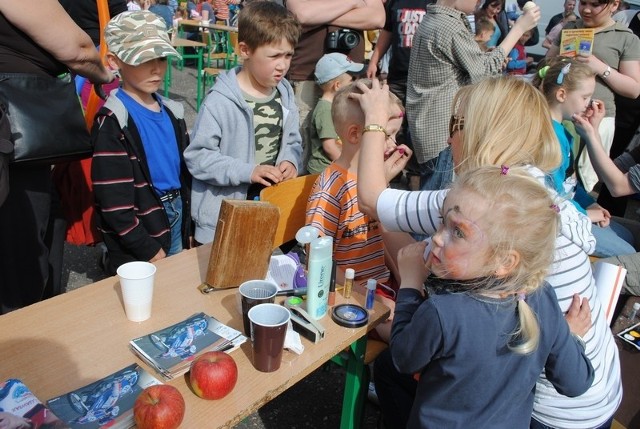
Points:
(505, 121)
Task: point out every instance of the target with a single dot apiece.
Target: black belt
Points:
(170, 195)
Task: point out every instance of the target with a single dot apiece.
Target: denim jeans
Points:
(612, 240)
(173, 209)
(437, 173)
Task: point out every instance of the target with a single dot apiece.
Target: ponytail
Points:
(528, 335)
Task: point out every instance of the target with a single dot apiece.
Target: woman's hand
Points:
(375, 103)
(593, 62)
(588, 123)
(412, 266)
(578, 316)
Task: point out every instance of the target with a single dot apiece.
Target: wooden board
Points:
(243, 243)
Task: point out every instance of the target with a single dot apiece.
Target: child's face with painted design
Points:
(461, 248)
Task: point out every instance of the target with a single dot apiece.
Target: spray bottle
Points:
(320, 262)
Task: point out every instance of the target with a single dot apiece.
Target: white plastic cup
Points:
(136, 283)
(205, 16)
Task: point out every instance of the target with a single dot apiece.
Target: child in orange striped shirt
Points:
(358, 240)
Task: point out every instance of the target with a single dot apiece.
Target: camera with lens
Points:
(343, 39)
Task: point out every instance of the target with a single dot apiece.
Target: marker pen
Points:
(371, 293)
(332, 284)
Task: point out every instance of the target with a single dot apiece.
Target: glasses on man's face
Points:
(456, 123)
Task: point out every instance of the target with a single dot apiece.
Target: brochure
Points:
(19, 407)
(105, 403)
(609, 279)
(171, 350)
(576, 41)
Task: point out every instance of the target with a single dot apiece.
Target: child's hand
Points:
(396, 161)
(266, 175)
(529, 19)
(412, 267)
(288, 170)
(578, 316)
(598, 214)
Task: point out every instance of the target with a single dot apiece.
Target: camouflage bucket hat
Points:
(138, 36)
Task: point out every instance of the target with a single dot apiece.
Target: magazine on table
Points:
(171, 350)
(107, 402)
(19, 407)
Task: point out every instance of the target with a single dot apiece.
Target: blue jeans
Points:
(537, 425)
(437, 173)
(173, 209)
(612, 240)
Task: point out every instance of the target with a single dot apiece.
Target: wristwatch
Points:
(606, 73)
(374, 127)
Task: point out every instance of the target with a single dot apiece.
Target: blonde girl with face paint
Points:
(489, 324)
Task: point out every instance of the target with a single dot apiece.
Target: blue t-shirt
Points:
(496, 36)
(574, 192)
(159, 142)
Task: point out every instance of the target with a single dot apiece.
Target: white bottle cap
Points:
(349, 273)
(636, 306)
(371, 284)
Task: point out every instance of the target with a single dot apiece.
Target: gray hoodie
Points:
(221, 155)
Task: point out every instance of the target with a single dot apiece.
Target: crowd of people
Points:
(484, 260)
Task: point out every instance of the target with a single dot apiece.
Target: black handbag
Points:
(47, 122)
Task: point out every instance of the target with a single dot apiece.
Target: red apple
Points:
(213, 375)
(159, 407)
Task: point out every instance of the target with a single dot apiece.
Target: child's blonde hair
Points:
(262, 23)
(548, 80)
(346, 111)
(521, 217)
(506, 121)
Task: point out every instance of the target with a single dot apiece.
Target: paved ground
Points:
(314, 402)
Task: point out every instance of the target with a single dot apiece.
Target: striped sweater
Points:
(357, 239)
(571, 273)
(129, 212)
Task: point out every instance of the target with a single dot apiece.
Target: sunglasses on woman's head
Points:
(456, 123)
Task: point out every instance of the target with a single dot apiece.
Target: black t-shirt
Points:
(85, 14)
(20, 54)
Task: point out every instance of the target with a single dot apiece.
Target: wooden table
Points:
(66, 342)
(180, 44)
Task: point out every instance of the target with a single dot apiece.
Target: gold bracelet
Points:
(375, 128)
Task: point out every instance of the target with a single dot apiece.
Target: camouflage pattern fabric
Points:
(267, 123)
(138, 36)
